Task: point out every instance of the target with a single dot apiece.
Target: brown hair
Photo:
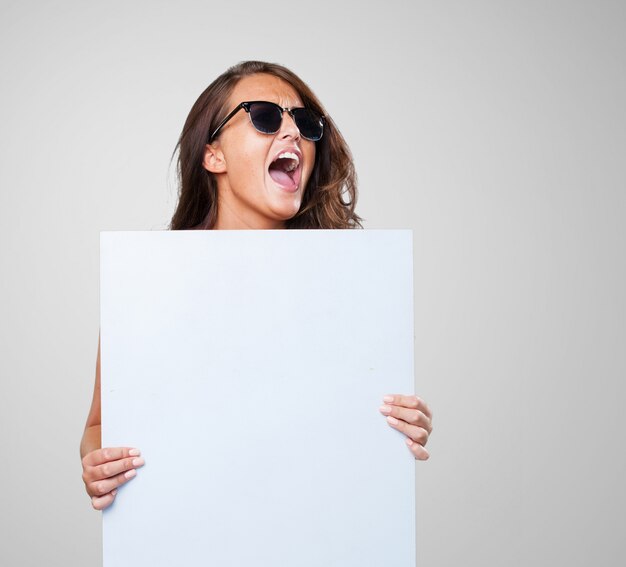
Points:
(330, 195)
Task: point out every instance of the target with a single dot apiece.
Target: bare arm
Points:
(104, 469)
(91, 437)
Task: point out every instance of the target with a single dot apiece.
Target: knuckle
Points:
(106, 470)
(106, 454)
(100, 488)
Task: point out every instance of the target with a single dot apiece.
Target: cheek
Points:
(310, 160)
(246, 164)
(308, 174)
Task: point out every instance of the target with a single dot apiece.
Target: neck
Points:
(228, 218)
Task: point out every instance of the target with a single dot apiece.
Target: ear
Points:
(214, 159)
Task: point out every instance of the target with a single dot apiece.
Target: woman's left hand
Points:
(412, 416)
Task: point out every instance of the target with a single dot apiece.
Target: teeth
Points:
(295, 160)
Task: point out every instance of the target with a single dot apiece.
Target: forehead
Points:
(262, 86)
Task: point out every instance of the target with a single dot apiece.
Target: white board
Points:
(248, 367)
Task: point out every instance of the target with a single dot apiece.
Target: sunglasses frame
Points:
(246, 106)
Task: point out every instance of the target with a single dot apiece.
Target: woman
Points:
(257, 152)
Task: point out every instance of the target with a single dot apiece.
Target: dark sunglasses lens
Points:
(309, 123)
(266, 117)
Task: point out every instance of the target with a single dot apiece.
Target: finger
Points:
(102, 502)
(412, 402)
(111, 469)
(412, 416)
(102, 487)
(417, 450)
(100, 456)
(417, 434)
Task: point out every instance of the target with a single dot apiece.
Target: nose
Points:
(288, 128)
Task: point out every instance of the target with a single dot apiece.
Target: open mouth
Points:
(285, 170)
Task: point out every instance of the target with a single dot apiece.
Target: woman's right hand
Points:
(106, 469)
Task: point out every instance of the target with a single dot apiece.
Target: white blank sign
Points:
(248, 367)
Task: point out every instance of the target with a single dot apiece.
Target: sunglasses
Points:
(267, 117)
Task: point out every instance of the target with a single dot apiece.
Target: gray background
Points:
(496, 130)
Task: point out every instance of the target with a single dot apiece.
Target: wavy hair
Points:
(330, 194)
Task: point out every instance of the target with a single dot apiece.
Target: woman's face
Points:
(253, 190)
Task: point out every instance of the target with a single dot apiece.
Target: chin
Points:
(286, 211)
(284, 205)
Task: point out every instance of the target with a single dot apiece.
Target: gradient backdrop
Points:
(496, 130)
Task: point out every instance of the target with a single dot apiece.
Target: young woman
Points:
(257, 152)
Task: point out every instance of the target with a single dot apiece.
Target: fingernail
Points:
(385, 409)
(130, 474)
(392, 420)
(388, 399)
(134, 452)
(409, 442)
(138, 462)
